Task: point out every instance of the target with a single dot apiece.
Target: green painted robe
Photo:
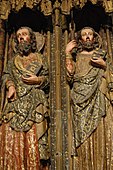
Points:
(25, 120)
(87, 100)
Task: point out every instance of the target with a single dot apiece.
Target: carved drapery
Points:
(46, 6)
(95, 153)
(56, 58)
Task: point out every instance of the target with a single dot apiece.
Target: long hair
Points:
(96, 42)
(32, 40)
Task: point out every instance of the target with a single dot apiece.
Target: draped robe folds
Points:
(24, 122)
(91, 115)
(87, 100)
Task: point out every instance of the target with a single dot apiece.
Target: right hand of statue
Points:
(32, 79)
(70, 46)
(11, 93)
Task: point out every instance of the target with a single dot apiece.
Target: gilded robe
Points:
(24, 121)
(88, 101)
(92, 110)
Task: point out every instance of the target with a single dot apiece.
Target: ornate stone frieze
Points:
(68, 4)
(47, 6)
(7, 6)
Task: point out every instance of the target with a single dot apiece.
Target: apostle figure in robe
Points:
(91, 97)
(25, 118)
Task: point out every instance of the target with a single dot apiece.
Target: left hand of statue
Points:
(31, 79)
(99, 62)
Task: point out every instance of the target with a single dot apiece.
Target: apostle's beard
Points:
(24, 48)
(87, 45)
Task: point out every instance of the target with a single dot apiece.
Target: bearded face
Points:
(24, 42)
(87, 39)
(88, 46)
(24, 48)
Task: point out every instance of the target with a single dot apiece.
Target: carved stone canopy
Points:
(47, 6)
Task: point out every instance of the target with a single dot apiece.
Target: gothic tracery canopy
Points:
(47, 6)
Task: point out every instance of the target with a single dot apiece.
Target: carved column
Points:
(59, 158)
(2, 44)
(109, 44)
(55, 93)
(58, 114)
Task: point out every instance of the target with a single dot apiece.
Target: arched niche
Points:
(29, 17)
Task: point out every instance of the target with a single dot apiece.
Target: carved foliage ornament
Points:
(16, 5)
(46, 5)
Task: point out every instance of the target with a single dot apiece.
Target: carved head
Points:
(25, 41)
(88, 39)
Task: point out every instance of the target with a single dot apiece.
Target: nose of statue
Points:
(21, 38)
(87, 38)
